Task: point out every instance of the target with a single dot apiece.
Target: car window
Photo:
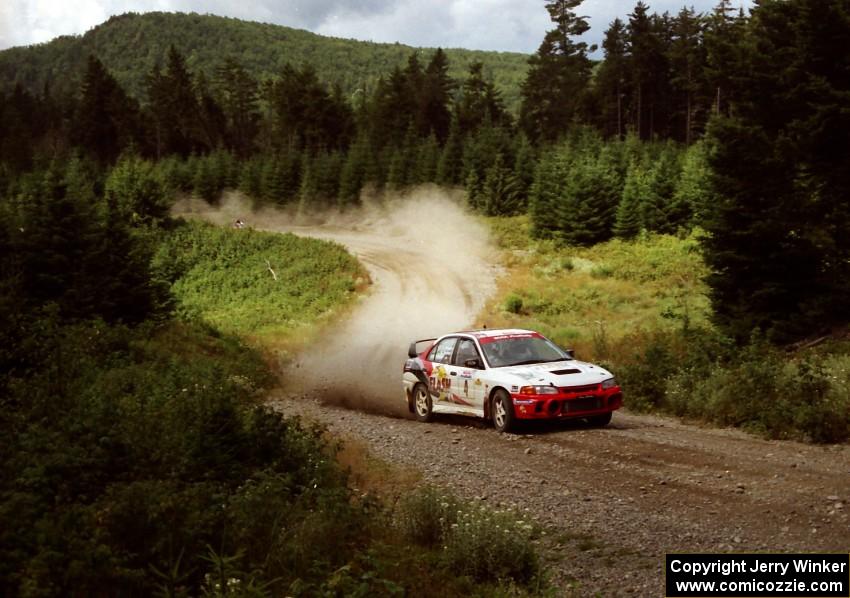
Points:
(442, 353)
(465, 351)
(521, 350)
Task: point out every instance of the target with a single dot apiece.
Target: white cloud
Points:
(507, 25)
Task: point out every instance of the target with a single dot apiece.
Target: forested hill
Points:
(131, 44)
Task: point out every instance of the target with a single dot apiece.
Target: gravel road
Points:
(613, 501)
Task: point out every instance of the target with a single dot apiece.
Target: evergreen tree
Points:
(435, 97)
(479, 103)
(630, 213)
(558, 75)
(135, 193)
(523, 166)
(238, 93)
(106, 121)
(612, 79)
(687, 61)
(724, 29)
(694, 194)
(428, 157)
(545, 197)
(500, 192)
(778, 248)
(357, 170)
(450, 165)
(76, 252)
(649, 70)
(174, 108)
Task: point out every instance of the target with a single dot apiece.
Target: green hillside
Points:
(131, 44)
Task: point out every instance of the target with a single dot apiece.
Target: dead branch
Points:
(271, 270)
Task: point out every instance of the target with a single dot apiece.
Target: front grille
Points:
(582, 404)
(586, 388)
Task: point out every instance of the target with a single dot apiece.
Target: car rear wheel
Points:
(422, 403)
(600, 421)
(502, 411)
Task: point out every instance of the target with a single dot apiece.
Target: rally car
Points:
(505, 376)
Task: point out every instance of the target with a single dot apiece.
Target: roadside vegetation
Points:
(269, 287)
(137, 456)
(641, 307)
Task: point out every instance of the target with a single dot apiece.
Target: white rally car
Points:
(506, 375)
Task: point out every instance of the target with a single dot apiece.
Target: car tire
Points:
(600, 421)
(502, 411)
(422, 407)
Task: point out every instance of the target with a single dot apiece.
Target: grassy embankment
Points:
(275, 291)
(641, 307)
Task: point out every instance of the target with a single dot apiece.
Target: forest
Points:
(726, 129)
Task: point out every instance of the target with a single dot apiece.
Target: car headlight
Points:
(609, 383)
(538, 390)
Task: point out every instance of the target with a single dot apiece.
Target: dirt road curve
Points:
(613, 500)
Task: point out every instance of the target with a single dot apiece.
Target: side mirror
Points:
(571, 353)
(411, 352)
(473, 364)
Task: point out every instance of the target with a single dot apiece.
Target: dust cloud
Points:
(432, 269)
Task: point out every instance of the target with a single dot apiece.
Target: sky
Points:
(502, 25)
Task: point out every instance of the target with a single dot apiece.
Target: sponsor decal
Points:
(514, 388)
(492, 339)
(466, 374)
(477, 382)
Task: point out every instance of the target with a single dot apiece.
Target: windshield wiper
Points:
(529, 362)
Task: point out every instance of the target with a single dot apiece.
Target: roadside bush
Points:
(477, 541)
(767, 393)
(513, 304)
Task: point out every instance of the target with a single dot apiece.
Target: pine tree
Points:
(450, 165)
(694, 195)
(499, 192)
(612, 80)
(558, 75)
(545, 196)
(106, 121)
(135, 193)
(357, 170)
(778, 248)
(687, 61)
(636, 189)
(435, 97)
(238, 91)
(428, 156)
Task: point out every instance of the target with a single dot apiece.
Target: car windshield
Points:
(521, 350)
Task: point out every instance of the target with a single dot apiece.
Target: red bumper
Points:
(567, 404)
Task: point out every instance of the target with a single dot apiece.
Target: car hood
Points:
(558, 373)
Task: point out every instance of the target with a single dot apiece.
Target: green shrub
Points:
(513, 304)
(501, 541)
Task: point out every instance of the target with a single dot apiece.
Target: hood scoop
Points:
(565, 372)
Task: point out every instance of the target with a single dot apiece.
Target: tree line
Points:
(726, 121)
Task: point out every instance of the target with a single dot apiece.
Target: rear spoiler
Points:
(412, 352)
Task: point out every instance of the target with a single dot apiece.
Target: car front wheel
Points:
(502, 411)
(422, 403)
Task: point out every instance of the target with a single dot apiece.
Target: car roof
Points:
(488, 334)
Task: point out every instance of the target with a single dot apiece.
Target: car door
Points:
(440, 380)
(467, 369)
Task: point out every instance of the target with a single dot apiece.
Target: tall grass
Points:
(255, 283)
